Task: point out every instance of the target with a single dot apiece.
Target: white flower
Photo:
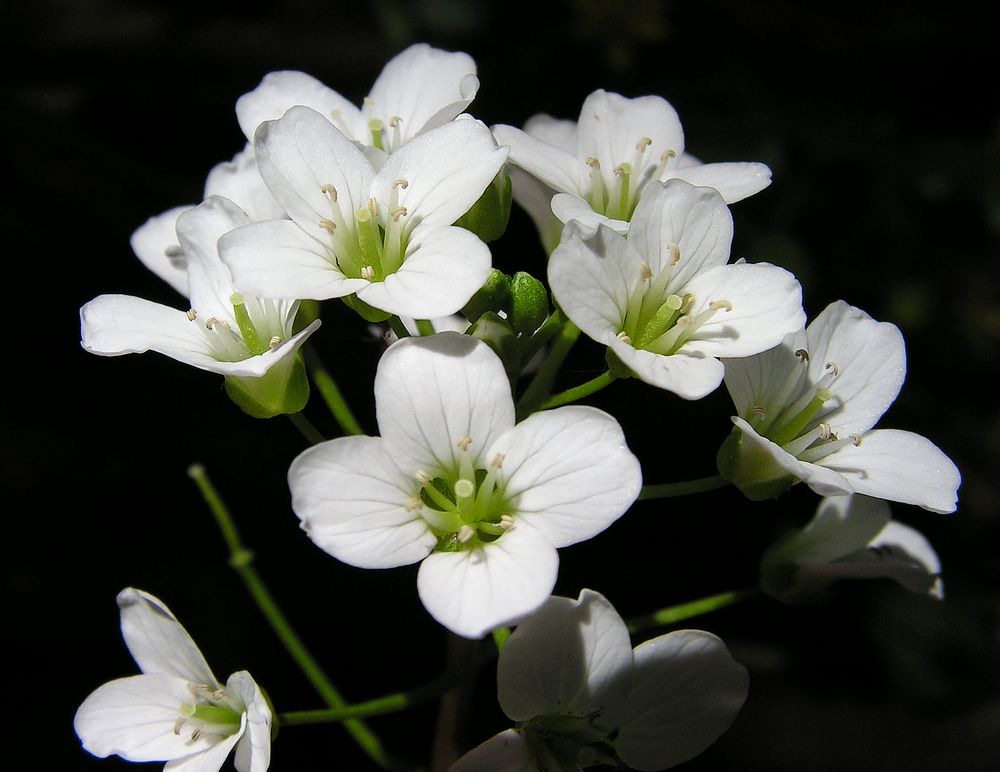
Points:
(240, 182)
(385, 235)
(224, 331)
(583, 696)
(850, 537)
(664, 300)
(176, 711)
(418, 90)
(602, 164)
(453, 482)
(806, 410)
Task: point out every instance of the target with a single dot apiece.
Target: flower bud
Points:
(751, 469)
(492, 296)
(529, 303)
(488, 216)
(498, 334)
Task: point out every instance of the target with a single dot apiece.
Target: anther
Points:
(825, 432)
(423, 476)
(498, 460)
(717, 305)
(373, 207)
(465, 533)
(192, 314)
(367, 272)
(212, 322)
(196, 734)
(645, 272)
(394, 121)
(593, 163)
(802, 354)
(274, 342)
(622, 169)
(395, 214)
(506, 522)
(856, 439)
(759, 410)
(328, 225)
(368, 101)
(667, 155)
(675, 253)
(402, 182)
(178, 724)
(623, 337)
(643, 143)
(412, 504)
(832, 367)
(330, 191)
(464, 441)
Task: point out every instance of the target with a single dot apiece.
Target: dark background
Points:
(880, 123)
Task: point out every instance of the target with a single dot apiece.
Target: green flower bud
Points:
(488, 216)
(498, 334)
(529, 303)
(282, 389)
(751, 469)
(492, 296)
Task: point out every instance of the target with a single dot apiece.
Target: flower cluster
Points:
(478, 474)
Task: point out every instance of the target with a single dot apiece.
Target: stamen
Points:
(465, 534)
(367, 272)
(395, 214)
(196, 734)
(623, 170)
(506, 522)
(212, 322)
(643, 143)
(274, 342)
(832, 367)
(717, 305)
(328, 225)
(667, 155)
(192, 314)
(593, 163)
(624, 338)
(412, 504)
(675, 254)
(423, 476)
(464, 441)
(330, 191)
(802, 354)
(368, 101)
(645, 272)
(394, 121)
(856, 439)
(498, 460)
(178, 724)
(402, 182)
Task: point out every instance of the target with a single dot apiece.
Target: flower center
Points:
(212, 714)
(465, 507)
(659, 320)
(254, 337)
(617, 195)
(376, 244)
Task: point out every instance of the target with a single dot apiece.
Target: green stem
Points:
(541, 336)
(500, 636)
(391, 703)
(541, 385)
(579, 392)
(241, 559)
(686, 488)
(694, 608)
(332, 395)
(305, 427)
(397, 326)
(425, 327)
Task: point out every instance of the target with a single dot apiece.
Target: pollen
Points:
(464, 441)
(593, 163)
(803, 355)
(622, 169)
(367, 272)
(394, 121)
(643, 143)
(506, 522)
(192, 314)
(178, 724)
(825, 432)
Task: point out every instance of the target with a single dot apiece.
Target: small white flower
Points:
(223, 331)
(240, 182)
(454, 483)
(806, 408)
(583, 696)
(386, 236)
(664, 300)
(850, 537)
(601, 165)
(176, 711)
(418, 90)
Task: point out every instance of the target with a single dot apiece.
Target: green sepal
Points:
(496, 332)
(307, 314)
(616, 366)
(282, 389)
(492, 296)
(529, 303)
(751, 469)
(488, 216)
(365, 311)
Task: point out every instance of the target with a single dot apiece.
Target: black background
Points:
(880, 124)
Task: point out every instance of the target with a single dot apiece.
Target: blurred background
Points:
(883, 133)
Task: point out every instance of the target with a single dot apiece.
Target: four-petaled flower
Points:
(176, 711)
(805, 411)
(583, 696)
(386, 236)
(601, 166)
(453, 482)
(663, 298)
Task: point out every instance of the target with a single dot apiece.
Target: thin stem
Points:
(331, 394)
(306, 429)
(500, 636)
(694, 608)
(425, 327)
(686, 488)
(397, 326)
(391, 703)
(579, 392)
(240, 558)
(541, 385)
(455, 707)
(542, 335)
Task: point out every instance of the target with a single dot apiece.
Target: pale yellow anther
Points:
(759, 411)
(825, 432)
(464, 441)
(802, 354)
(212, 322)
(718, 305)
(643, 143)
(394, 121)
(196, 734)
(398, 212)
(274, 342)
(402, 182)
(498, 460)
(423, 476)
(328, 225)
(593, 163)
(367, 272)
(192, 314)
(412, 504)
(506, 522)
(667, 155)
(330, 191)
(178, 724)
(675, 253)
(645, 272)
(832, 367)
(622, 169)
(856, 439)
(465, 534)
(624, 337)
(373, 207)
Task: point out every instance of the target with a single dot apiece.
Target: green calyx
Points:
(751, 469)
(489, 215)
(282, 389)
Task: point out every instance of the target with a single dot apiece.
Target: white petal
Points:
(446, 171)
(568, 207)
(475, 591)
(766, 306)
(155, 244)
(560, 170)
(444, 266)
(899, 466)
(910, 546)
(771, 379)
(432, 392)
(734, 181)
(425, 86)
(554, 131)
(611, 125)
(158, 642)
(871, 361)
(135, 717)
(504, 752)
(240, 182)
(691, 376)
(695, 219)
(825, 482)
(209, 760)
(277, 259)
(253, 753)
(352, 500)
(199, 231)
(535, 197)
(256, 366)
(841, 525)
(569, 472)
(687, 690)
(280, 91)
(570, 658)
(302, 152)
